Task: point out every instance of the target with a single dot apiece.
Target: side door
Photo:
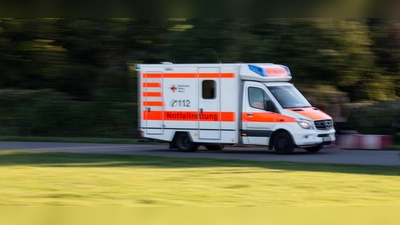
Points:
(209, 103)
(152, 102)
(257, 122)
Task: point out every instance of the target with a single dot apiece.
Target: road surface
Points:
(336, 156)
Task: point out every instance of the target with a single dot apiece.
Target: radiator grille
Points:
(323, 124)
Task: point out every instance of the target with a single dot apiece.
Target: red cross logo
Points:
(173, 88)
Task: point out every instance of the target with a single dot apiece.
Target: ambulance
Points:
(189, 105)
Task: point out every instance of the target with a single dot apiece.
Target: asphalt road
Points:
(336, 156)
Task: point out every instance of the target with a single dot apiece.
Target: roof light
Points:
(257, 70)
(277, 71)
(287, 70)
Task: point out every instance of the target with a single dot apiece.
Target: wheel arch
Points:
(273, 135)
(184, 142)
(172, 143)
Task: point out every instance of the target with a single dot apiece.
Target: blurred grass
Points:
(64, 179)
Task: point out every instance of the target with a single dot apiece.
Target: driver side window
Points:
(257, 97)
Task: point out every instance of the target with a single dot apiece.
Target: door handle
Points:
(148, 109)
(201, 110)
(250, 114)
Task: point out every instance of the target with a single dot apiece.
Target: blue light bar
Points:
(257, 70)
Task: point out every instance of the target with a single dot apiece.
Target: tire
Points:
(314, 149)
(214, 147)
(184, 143)
(283, 144)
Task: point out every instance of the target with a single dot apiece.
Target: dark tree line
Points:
(90, 61)
(82, 57)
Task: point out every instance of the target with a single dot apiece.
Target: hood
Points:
(311, 113)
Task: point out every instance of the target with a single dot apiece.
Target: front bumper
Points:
(314, 137)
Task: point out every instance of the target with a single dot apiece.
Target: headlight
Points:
(306, 124)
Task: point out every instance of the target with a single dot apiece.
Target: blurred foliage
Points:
(321, 96)
(74, 77)
(373, 117)
(49, 113)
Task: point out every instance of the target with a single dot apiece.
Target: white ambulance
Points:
(215, 105)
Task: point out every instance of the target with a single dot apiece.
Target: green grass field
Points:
(66, 179)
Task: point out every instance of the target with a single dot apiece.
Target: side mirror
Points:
(269, 106)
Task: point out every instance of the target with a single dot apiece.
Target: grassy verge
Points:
(63, 179)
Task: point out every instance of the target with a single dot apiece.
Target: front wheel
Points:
(283, 144)
(214, 147)
(184, 144)
(314, 149)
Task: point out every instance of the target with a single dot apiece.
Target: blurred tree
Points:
(82, 56)
(199, 39)
(386, 47)
(323, 51)
(94, 48)
(28, 59)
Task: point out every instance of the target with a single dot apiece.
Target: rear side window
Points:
(208, 89)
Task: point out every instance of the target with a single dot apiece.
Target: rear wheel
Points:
(214, 147)
(314, 149)
(283, 144)
(184, 144)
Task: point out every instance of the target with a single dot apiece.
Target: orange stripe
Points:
(258, 117)
(152, 75)
(281, 118)
(151, 94)
(151, 84)
(153, 103)
(313, 114)
(227, 75)
(189, 116)
(266, 117)
(180, 75)
(216, 75)
(188, 75)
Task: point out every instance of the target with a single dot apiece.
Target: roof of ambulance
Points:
(263, 72)
(204, 64)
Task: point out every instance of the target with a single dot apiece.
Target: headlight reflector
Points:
(305, 124)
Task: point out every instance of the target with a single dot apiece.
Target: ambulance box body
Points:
(215, 105)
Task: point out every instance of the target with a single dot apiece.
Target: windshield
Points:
(289, 97)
